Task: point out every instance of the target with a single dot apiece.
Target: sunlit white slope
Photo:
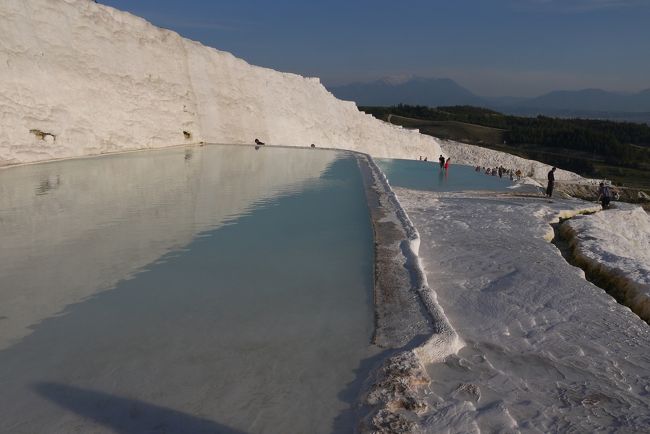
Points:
(462, 153)
(546, 351)
(80, 78)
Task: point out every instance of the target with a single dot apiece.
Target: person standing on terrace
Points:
(551, 182)
(604, 195)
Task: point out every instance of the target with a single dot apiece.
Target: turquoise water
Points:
(215, 289)
(421, 175)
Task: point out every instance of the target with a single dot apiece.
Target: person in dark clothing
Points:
(551, 182)
(442, 161)
(259, 142)
(604, 195)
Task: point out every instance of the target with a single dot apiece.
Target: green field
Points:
(452, 130)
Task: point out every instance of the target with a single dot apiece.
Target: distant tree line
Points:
(607, 139)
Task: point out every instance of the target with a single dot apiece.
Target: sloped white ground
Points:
(546, 351)
(615, 244)
(80, 78)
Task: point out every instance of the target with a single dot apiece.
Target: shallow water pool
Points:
(427, 175)
(212, 289)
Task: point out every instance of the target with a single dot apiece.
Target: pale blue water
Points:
(421, 175)
(217, 289)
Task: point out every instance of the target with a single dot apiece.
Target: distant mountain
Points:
(500, 101)
(434, 92)
(594, 100)
(431, 92)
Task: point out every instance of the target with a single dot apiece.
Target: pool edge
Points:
(408, 319)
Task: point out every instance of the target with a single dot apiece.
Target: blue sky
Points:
(492, 47)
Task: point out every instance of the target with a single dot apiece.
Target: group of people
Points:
(444, 163)
(514, 175)
(605, 193)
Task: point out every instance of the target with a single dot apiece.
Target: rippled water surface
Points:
(213, 289)
(427, 175)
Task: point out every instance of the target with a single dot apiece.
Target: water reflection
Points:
(240, 293)
(116, 214)
(47, 184)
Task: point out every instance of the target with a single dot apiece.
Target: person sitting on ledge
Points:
(258, 142)
(313, 146)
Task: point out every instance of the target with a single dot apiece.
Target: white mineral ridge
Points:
(617, 243)
(462, 153)
(80, 78)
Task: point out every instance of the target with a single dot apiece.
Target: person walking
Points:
(551, 182)
(441, 160)
(604, 195)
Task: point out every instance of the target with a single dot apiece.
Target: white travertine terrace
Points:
(80, 78)
(463, 153)
(615, 246)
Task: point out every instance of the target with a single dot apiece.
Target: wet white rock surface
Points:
(546, 351)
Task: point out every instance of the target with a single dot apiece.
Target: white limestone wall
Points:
(79, 78)
(96, 79)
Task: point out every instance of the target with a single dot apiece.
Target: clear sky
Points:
(492, 47)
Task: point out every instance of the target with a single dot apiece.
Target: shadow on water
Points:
(127, 416)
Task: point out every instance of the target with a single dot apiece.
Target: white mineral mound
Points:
(615, 245)
(463, 153)
(79, 78)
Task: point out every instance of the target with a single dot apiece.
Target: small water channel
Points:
(214, 289)
(427, 175)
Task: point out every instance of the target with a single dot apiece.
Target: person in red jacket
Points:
(447, 163)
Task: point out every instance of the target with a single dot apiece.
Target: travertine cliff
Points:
(79, 78)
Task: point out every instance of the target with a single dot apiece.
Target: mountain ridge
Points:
(435, 92)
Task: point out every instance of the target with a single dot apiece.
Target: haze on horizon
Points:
(496, 48)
